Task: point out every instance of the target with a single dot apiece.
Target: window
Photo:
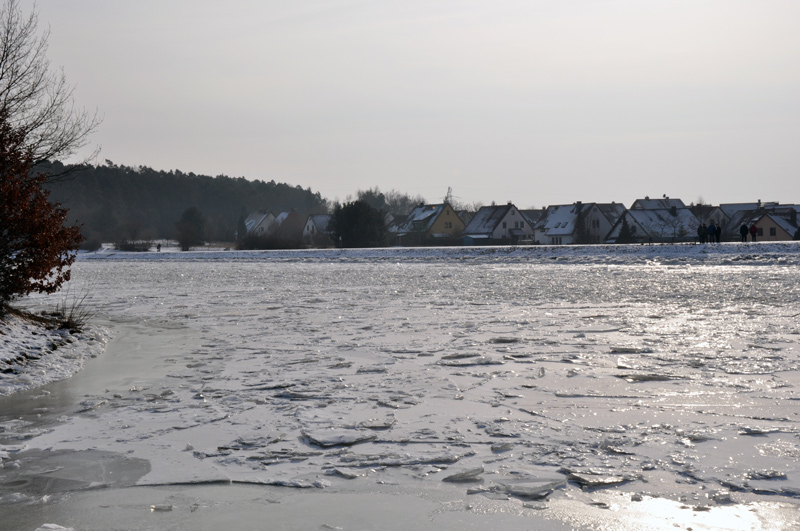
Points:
(504, 224)
(448, 224)
(773, 231)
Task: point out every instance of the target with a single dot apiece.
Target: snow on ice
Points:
(528, 376)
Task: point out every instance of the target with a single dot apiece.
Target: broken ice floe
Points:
(524, 488)
(328, 438)
(472, 474)
(391, 459)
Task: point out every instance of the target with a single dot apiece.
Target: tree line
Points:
(113, 202)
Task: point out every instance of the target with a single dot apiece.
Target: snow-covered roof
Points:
(320, 221)
(255, 219)
(731, 209)
(559, 220)
(486, 220)
(533, 215)
(421, 218)
(661, 223)
(783, 223)
(612, 211)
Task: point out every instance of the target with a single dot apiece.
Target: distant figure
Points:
(753, 231)
(743, 231)
(702, 232)
(712, 232)
(158, 247)
(719, 233)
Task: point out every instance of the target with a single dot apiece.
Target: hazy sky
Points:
(531, 101)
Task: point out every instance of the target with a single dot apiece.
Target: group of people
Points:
(713, 233)
(710, 233)
(743, 231)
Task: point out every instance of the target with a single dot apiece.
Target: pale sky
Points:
(531, 101)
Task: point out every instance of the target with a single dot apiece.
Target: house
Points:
(429, 225)
(710, 215)
(557, 225)
(773, 227)
(672, 224)
(498, 224)
(288, 227)
(315, 231)
(731, 209)
(600, 218)
(259, 223)
(773, 223)
(533, 215)
(577, 223)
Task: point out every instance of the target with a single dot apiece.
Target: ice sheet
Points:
(530, 375)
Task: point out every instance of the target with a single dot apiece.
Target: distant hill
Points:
(115, 202)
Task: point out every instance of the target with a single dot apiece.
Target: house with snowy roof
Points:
(773, 222)
(429, 225)
(672, 224)
(259, 223)
(498, 224)
(315, 231)
(731, 209)
(577, 223)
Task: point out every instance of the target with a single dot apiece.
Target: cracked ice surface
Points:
(515, 374)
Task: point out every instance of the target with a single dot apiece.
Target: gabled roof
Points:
(533, 215)
(487, 218)
(659, 222)
(782, 222)
(421, 218)
(559, 220)
(320, 222)
(731, 209)
(255, 219)
(655, 204)
(612, 211)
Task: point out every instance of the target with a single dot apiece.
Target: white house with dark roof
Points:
(259, 223)
(315, 231)
(498, 223)
(577, 223)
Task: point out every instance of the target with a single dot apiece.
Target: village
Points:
(662, 220)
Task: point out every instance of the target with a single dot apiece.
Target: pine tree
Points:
(625, 233)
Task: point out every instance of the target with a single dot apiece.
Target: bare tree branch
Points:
(38, 101)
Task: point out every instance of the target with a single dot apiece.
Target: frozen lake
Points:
(583, 387)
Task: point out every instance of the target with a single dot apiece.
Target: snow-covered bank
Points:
(33, 352)
(786, 253)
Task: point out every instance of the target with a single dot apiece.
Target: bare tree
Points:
(38, 102)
